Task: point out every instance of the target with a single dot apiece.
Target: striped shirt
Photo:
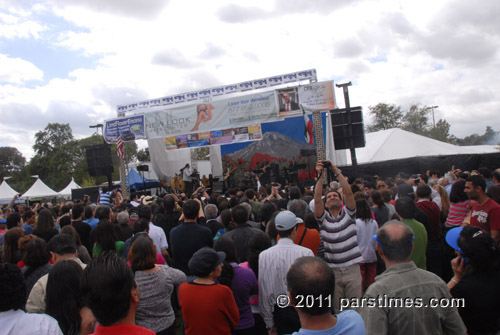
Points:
(339, 236)
(458, 212)
(273, 267)
(105, 198)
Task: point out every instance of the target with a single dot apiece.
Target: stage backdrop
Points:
(281, 141)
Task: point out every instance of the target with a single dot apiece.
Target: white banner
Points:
(228, 113)
(207, 94)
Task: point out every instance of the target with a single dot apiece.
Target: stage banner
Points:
(315, 96)
(129, 128)
(228, 113)
(213, 137)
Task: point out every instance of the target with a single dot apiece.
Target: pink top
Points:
(458, 212)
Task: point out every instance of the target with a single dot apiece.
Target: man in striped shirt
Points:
(339, 234)
(273, 267)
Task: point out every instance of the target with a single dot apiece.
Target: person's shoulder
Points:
(303, 250)
(350, 322)
(44, 324)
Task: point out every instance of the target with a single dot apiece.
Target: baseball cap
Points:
(205, 261)
(452, 238)
(405, 190)
(286, 220)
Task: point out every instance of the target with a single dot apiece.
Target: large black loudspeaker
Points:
(345, 131)
(99, 160)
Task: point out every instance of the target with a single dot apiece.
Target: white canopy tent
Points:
(6, 193)
(40, 190)
(393, 144)
(66, 192)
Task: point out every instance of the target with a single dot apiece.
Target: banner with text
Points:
(314, 96)
(228, 113)
(129, 128)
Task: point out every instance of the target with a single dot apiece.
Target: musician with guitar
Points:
(228, 177)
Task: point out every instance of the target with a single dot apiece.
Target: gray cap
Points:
(286, 220)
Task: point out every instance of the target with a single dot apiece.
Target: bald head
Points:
(311, 276)
(396, 241)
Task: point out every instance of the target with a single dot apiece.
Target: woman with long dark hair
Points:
(367, 227)
(256, 245)
(241, 281)
(63, 297)
(45, 226)
(459, 205)
(380, 210)
(36, 257)
(106, 239)
(11, 252)
(156, 283)
(476, 278)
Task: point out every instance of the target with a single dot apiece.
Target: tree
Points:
(385, 117)
(416, 120)
(490, 136)
(52, 137)
(11, 161)
(441, 132)
(143, 155)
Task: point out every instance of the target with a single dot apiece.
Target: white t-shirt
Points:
(18, 322)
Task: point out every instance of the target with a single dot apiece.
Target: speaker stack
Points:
(348, 128)
(99, 160)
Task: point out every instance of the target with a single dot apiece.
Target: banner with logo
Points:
(128, 128)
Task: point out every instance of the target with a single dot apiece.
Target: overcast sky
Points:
(74, 61)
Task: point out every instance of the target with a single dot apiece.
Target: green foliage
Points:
(490, 136)
(51, 138)
(441, 132)
(385, 117)
(58, 157)
(11, 161)
(143, 155)
(416, 121)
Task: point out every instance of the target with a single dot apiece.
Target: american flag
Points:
(119, 148)
(308, 128)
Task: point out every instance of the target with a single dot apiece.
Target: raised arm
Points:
(319, 206)
(349, 201)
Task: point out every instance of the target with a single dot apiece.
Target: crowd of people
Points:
(411, 254)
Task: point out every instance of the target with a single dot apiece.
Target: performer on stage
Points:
(293, 171)
(186, 177)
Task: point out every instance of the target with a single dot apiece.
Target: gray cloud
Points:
(398, 24)
(240, 14)
(212, 51)
(251, 56)
(233, 13)
(118, 95)
(172, 58)
(324, 7)
(463, 32)
(348, 48)
(472, 48)
(133, 8)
